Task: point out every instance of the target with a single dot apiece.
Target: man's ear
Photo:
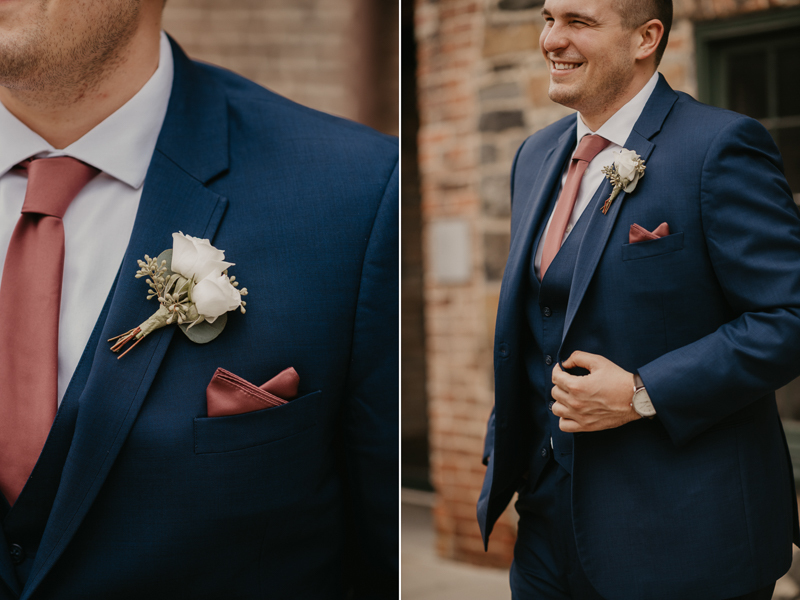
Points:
(649, 37)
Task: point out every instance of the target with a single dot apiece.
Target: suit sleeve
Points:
(752, 231)
(371, 412)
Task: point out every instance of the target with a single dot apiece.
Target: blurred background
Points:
(338, 56)
(474, 86)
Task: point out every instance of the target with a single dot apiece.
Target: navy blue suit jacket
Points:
(301, 501)
(699, 502)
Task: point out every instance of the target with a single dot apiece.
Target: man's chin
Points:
(564, 95)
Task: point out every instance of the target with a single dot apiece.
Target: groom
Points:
(186, 470)
(650, 306)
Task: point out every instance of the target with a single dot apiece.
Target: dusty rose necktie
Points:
(30, 302)
(589, 147)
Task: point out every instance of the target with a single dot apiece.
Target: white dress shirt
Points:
(616, 130)
(98, 223)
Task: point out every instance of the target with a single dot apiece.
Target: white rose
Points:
(214, 296)
(626, 164)
(196, 258)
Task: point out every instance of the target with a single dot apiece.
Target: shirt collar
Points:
(618, 128)
(122, 145)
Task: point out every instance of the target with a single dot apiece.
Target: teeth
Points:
(565, 66)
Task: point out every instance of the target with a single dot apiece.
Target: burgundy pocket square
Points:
(640, 234)
(229, 394)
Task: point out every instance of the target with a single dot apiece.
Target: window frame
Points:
(709, 82)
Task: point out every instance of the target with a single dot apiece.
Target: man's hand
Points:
(593, 402)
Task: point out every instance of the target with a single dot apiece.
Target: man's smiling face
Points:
(590, 54)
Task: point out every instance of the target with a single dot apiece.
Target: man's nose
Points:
(554, 38)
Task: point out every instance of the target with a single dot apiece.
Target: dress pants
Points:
(546, 564)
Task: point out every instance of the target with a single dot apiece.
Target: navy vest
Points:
(546, 310)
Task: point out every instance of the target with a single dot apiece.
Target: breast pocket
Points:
(239, 432)
(650, 248)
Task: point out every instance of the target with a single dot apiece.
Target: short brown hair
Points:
(638, 12)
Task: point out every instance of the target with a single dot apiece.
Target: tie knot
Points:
(53, 183)
(589, 147)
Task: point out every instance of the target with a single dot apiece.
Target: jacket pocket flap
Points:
(646, 249)
(239, 432)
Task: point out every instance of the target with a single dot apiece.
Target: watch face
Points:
(642, 403)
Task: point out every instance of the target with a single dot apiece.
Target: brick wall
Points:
(339, 56)
(482, 90)
(450, 37)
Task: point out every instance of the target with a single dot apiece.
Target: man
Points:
(641, 332)
(138, 492)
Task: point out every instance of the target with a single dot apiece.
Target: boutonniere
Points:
(193, 289)
(624, 173)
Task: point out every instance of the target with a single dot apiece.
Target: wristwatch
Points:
(641, 400)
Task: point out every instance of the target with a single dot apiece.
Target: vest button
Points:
(548, 360)
(544, 452)
(17, 554)
(550, 405)
(546, 311)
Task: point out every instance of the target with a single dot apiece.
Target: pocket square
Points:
(640, 234)
(229, 394)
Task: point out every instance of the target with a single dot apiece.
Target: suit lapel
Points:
(174, 198)
(520, 254)
(600, 226)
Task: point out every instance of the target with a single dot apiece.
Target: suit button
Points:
(17, 554)
(550, 405)
(544, 452)
(546, 311)
(548, 360)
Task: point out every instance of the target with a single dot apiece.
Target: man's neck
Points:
(594, 120)
(64, 114)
